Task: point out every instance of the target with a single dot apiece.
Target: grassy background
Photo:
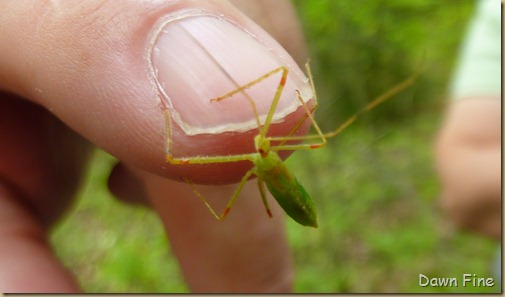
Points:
(375, 187)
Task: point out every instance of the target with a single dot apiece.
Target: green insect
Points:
(268, 167)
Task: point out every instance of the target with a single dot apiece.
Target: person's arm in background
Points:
(469, 165)
(468, 148)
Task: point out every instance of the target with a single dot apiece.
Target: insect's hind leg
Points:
(230, 203)
(261, 188)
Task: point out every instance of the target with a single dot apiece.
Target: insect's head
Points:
(262, 145)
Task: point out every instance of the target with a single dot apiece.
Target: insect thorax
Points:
(265, 165)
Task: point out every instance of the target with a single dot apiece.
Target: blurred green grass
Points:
(374, 185)
(113, 247)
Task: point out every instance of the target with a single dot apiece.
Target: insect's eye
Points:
(262, 152)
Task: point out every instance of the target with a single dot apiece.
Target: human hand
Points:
(86, 65)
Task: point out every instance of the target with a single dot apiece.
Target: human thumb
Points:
(110, 69)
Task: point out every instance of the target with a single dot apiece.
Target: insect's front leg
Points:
(170, 158)
(283, 139)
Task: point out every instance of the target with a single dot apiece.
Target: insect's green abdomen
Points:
(288, 192)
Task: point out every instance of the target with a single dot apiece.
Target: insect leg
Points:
(374, 103)
(308, 114)
(230, 202)
(261, 187)
(320, 135)
(275, 101)
(197, 159)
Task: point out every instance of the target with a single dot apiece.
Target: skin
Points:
(50, 104)
(468, 154)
